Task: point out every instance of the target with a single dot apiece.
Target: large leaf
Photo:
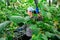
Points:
(2, 38)
(17, 19)
(27, 18)
(48, 34)
(3, 25)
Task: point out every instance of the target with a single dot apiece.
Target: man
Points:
(31, 11)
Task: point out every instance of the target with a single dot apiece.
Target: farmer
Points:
(31, 11)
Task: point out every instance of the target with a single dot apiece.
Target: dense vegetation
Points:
(15, 11)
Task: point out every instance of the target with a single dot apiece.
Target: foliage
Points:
(42, 30)
(3, 25)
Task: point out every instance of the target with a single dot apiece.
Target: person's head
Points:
(30, 10)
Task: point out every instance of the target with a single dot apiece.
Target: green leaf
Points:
(17, 19)
(27, 18)
(48, 34)
(2, 38)
(44, 37)
(49, 15)
(3, 25)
